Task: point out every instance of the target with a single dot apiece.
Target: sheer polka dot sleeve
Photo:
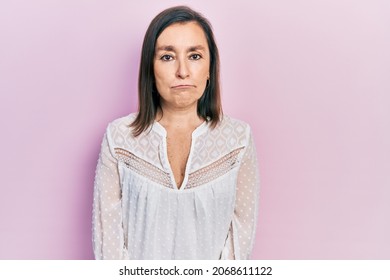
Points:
(241, 234)
(108, 237)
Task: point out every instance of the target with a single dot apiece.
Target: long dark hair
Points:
(209, 105)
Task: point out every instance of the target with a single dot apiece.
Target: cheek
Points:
(159, 84)
(162, 83)
(159, 79)
(204, 71)
(161, 75)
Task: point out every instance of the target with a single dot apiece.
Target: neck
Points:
(178, 118)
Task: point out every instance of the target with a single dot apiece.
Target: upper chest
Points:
(178, 143)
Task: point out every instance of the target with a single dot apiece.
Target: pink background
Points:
(311, 77)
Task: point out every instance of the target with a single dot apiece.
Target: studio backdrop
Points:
(312, 78)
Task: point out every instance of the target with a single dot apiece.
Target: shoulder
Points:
(234, 126)
(125, 120)
(241, 131)
(119, 131)
(226, 119)
(230, 133)
(121, 124)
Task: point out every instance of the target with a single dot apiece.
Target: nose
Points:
(182, 69)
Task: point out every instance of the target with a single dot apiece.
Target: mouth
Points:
(184, 86)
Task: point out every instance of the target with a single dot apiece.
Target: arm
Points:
(241, 234)
(107, 230)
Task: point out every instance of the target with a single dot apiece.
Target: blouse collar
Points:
(157, 127)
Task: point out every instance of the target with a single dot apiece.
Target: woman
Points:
(177, 180)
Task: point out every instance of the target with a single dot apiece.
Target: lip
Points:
(182, 86)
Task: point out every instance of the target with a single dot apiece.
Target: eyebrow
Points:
(172, 48)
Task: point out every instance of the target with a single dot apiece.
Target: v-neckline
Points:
(164, 152)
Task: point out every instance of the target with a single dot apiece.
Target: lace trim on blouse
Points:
(195, 179)
(213, 170)
(143, 168)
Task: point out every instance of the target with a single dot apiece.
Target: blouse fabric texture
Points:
(140, 213)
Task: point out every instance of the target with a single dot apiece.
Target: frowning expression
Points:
(181, 65)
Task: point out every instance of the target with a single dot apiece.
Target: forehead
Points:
(182, 35)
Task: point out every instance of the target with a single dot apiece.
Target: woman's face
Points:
(181, 65)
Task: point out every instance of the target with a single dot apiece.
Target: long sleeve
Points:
(241, 235)
(107, 229)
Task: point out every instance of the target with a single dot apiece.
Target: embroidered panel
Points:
(226, 137)
(214, 170)
(144, 145)
(143, 168)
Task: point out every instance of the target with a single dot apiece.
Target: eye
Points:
(166, 57)
(195, 56)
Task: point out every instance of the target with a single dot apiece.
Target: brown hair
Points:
(209, 105)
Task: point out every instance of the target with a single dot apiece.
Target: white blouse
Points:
(140, 213)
